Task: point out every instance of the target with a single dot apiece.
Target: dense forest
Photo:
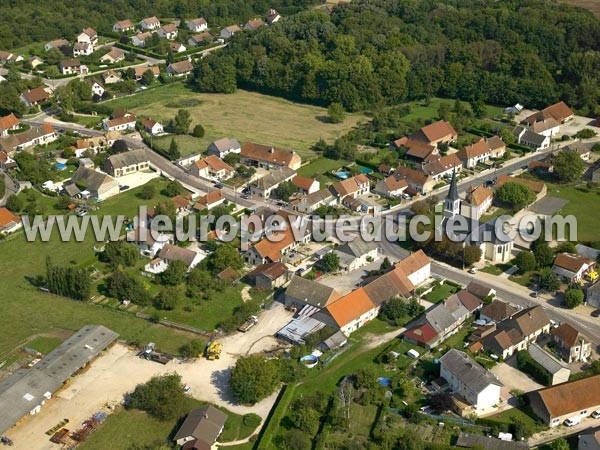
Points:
(25, 21)
(375, 52)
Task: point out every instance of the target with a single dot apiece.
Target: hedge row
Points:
(531, 367)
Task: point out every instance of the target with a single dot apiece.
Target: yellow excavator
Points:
(213, 349)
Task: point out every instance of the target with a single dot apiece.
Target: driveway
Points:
(119, 370)
(513, 379)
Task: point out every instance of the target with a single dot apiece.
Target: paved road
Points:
(508, 291)
(10, 187)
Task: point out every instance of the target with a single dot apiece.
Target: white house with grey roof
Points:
(301, 292)
(264, 187)
(356, 254)
(470, 382)
(223, 147)
(127, 163)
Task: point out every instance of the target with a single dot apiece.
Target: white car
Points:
(473, 270)
(596, 414)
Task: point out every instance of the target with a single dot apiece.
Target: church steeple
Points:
(452, 202)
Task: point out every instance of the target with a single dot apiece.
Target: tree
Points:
(285, 190)
(168, 298)
(198, 131)
(560, 444)
(148, 192)
(224, 256)
(71, 282)
(568, 166)
(525, 261)
(192, 349)
(147, 77)
(232, 159)
(14, 203)
(394, 311)
(542, 252)
(173, 151)
(507, 136)
(336, 113)
(549, 280)
(516, 195)
(296, 440)
(119, 146)
(121, 253)
(175, 273)
(126, 286)
(471, 254)
(331, 262)
(173, 189)
(574, 297)
(521, 429)
(586, 133)
(161, 397)
(566, 247)
(441, 402)
(419, 208)
(181, 123)
(253, 378)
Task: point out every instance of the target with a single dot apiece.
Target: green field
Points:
(440, 293)
(128, 426)
(319, 166)
(583, 204)
(246, 116)
(44, 344)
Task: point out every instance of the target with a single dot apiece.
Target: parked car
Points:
(596, 313)
(535, 294)
(123, 188)
(299, 271)
(596, 414)
(473, 270)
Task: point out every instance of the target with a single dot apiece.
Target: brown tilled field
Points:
(592, 5)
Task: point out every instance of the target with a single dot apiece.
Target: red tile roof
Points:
(421, 334)
(7, 122)
(6, 217)
(350, 307)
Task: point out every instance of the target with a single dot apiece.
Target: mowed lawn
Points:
(27, 312)
(583, 204)
(246, 116)
(429, 110)
(126, 427)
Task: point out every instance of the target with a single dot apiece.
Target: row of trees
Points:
(71, 282)
(369, 53)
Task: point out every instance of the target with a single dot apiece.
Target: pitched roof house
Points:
(201, 428)
(391, 186)
(555, 404)
(229, 31)
(210, 200)
(419, 181)
(560, 112)
(223, 147)
(353, 187)
(570, 344)
(180, 68)
(35, 96)
(197, 25)
(8, 123)
(269, 157)
(200, 39)
(97, 183)
(349, 312)
(150, 23)
(356, 253)
(172, 252)
(168, 31)
(212, 167)
(114, 56)
(443, 166)
(476, 153)
(122, 26)
(477, 201)
(572, 267)
(253, 24)
(264, 186)
(269, 276)
(301, 292)
(272, 16)
(416, 150)
(306, 185)
(8, 221)
(436, 133)
(470, 382)
(497, 311)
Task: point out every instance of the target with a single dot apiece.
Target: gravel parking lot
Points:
(513, 378)
(119, 371)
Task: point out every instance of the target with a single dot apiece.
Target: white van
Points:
(572, 421)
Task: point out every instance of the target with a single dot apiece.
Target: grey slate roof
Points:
(275, 177)
(357, 247)
(24, 390)
(445, 314)
(226, 144)
(92, 178)
(174, 253)
(546, 360)
(489, 443)
(309, 291)
(470, 373)
(129, 158)
(204, 424)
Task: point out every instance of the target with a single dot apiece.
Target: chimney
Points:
(272, 150)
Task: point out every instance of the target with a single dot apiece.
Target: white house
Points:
(82, 49)
(180, 68)
(356, 254)
(353, 187)
(229, 31)
(123, 26)
(349, 313)
(470, 381)
(478, 152)
(571, 267)
(114, 56)
(391, 186)
(547, 127)
(120, 123)
(212, 167)
(306, 185)
(150, 23)
(153, 127)
(477, 202)
(177, 47)
(156, 266)
(150, 242)
(174, 253)
(168, 31)
(8, 221)
(139, 40)
(197, 25)
(531, 139)
(223, 147)
(88, 36)
(97, 88)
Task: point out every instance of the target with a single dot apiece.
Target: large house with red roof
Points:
(8, 221)
(440, 132)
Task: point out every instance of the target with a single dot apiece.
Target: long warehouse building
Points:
(25, 391)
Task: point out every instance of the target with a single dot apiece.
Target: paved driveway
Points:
(513, 378)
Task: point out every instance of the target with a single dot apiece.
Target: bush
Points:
(526, 261)
(253, 378)
(251, 420)
(574, 297)
(161, 397)
(198, 131)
